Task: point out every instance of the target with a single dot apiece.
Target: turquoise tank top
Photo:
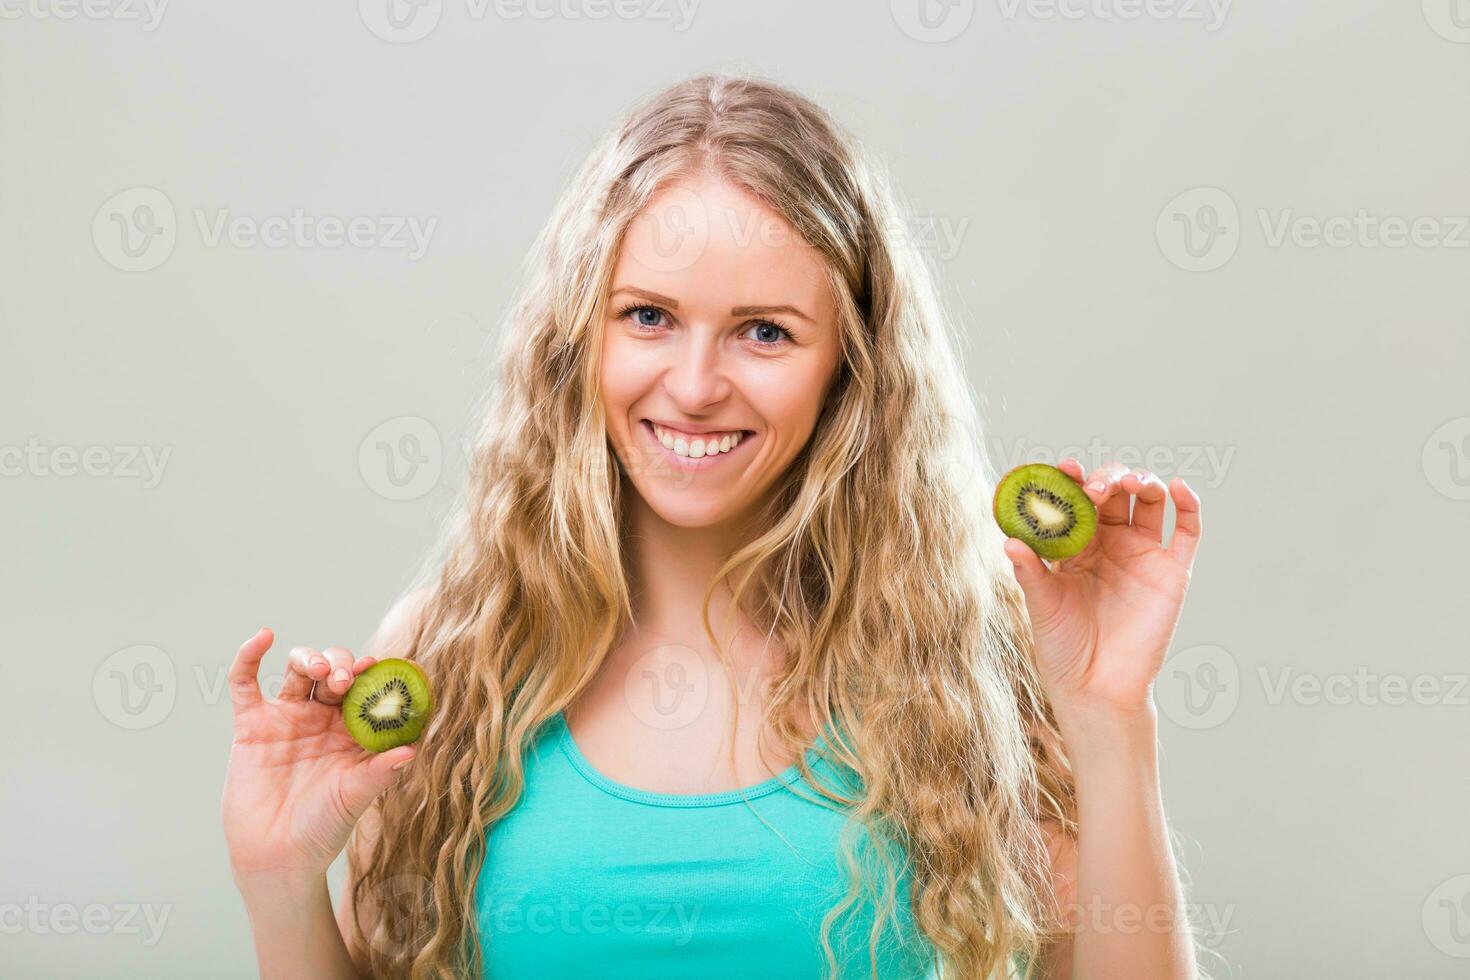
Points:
(587, 877)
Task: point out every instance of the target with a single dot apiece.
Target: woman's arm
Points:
(295, 932)
(1117, 883)
(298, 785)
(1102, 623)
(363, 838)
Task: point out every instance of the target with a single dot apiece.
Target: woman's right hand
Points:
(297, 781)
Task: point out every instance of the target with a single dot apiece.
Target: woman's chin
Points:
(688, 509)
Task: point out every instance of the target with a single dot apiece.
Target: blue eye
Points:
(769, 334)
(644, 316)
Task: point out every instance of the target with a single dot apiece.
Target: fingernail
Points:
(341, 676)
(400, 765)
(1097, 485)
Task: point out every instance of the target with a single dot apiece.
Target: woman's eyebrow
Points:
(757, 310)
(673, 304)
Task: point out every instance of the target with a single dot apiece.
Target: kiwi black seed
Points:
(1045, 508)
(388, 705)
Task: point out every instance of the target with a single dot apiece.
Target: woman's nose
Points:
(697, 377)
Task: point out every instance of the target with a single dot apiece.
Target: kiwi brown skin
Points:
(1046, 509)
(388, 705)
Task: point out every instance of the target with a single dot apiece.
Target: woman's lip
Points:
(689, 462)
(693, 434)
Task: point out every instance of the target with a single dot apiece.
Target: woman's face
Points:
(719, 347)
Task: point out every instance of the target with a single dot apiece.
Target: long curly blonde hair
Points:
(878, 567)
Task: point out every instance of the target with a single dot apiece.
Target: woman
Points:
(733, 674)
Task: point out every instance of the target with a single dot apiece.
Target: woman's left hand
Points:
(1103, 620)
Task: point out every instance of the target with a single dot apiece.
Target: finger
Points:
(1038, 584)
(304, 667)
(1072, 468)
(366, 779)
(1149, 495)
(336, 685)
(1105, 490)
(245, 670)
(331, 685)
(1186, 521)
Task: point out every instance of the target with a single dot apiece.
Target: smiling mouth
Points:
(699, 449)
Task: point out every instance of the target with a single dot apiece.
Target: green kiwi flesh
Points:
(388, 705)
(1045, 508)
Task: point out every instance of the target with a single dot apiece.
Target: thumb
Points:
(366, 779)
(1037, 582)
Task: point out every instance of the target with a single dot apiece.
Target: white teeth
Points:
(696, 448)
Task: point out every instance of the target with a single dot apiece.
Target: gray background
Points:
(1315, 395)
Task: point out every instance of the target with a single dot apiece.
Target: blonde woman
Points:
(735, 674)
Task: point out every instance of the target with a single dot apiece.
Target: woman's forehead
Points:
(715, 245)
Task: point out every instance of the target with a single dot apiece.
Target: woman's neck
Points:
(669, 568)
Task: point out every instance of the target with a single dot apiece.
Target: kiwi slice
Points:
(1045, 508)
(388, 705)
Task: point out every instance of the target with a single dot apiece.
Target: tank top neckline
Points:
(568, 746)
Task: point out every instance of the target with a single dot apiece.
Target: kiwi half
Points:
(1045, 508)
(387, 705)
